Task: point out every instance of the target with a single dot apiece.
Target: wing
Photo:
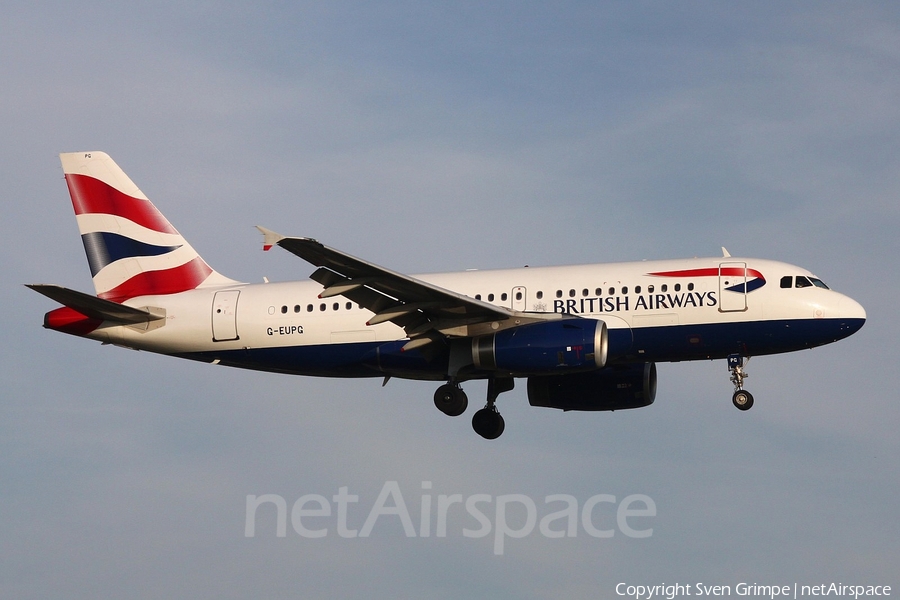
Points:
(425, 311)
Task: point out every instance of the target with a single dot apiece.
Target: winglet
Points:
(270, 238)
(725, 253)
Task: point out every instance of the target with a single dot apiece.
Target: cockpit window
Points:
(802, 281)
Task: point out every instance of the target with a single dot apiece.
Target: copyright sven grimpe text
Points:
(751, 590)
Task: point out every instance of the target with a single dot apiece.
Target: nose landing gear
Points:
(742, 399)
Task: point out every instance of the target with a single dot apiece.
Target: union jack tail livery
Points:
(131, 248)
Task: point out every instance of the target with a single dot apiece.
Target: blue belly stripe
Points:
(645, 344)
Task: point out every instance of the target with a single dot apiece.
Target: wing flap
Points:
(426, 312)
(339, 268)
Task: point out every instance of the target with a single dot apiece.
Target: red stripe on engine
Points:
(167, 281)
(90, 196)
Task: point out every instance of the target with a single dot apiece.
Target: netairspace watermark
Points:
(751, 590)
(313, 515)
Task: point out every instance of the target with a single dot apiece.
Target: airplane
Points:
(585, 337)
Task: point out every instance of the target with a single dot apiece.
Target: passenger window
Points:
(650, 289)
(803, 282)
(296, 308)
(540, 295)
(559, 293)
(571, 293)
(585, 292)
(637, 289)
(624, 290)
(503, 297)
(490, 297)
(690, 287)
(284, 310)
(677, 287)
(787, 281)
(598, 292)
(478, 296)
(664, 287)
(612, 291)
(335, 306)
(349, 305)
(518, 295)
(309, 308)
(322, 307)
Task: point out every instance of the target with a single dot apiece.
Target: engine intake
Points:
(613, 388)
(543, 348)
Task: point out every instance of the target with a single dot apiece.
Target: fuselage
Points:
(655, 311)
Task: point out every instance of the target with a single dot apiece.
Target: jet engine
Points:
(544, 348)
(612, 388)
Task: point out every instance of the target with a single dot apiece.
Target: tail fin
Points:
(131, 248)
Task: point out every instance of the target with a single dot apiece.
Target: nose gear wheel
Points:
(742, 399)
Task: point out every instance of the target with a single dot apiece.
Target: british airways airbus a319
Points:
(585, 337)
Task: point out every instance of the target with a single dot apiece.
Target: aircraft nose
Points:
(851, 309)
(852, 313)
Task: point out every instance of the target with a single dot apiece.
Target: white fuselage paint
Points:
(265, 316)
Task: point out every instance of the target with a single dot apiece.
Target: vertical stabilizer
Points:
(131, 248)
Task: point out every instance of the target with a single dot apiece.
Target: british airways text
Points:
(629, 303)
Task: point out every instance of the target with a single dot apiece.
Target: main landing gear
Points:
(487, 422)
(451, 400)
(742, 399)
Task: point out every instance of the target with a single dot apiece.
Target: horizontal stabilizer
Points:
(94, 307)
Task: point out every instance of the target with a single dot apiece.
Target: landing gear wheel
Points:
(742, 399)
(451, 400)
(488, 423)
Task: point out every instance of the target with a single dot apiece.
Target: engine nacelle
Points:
(613, 388)
(544, 348)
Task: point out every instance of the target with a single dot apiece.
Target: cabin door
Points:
(732, 286)
(224, 316)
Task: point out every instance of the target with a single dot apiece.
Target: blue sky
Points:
(432, 137)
